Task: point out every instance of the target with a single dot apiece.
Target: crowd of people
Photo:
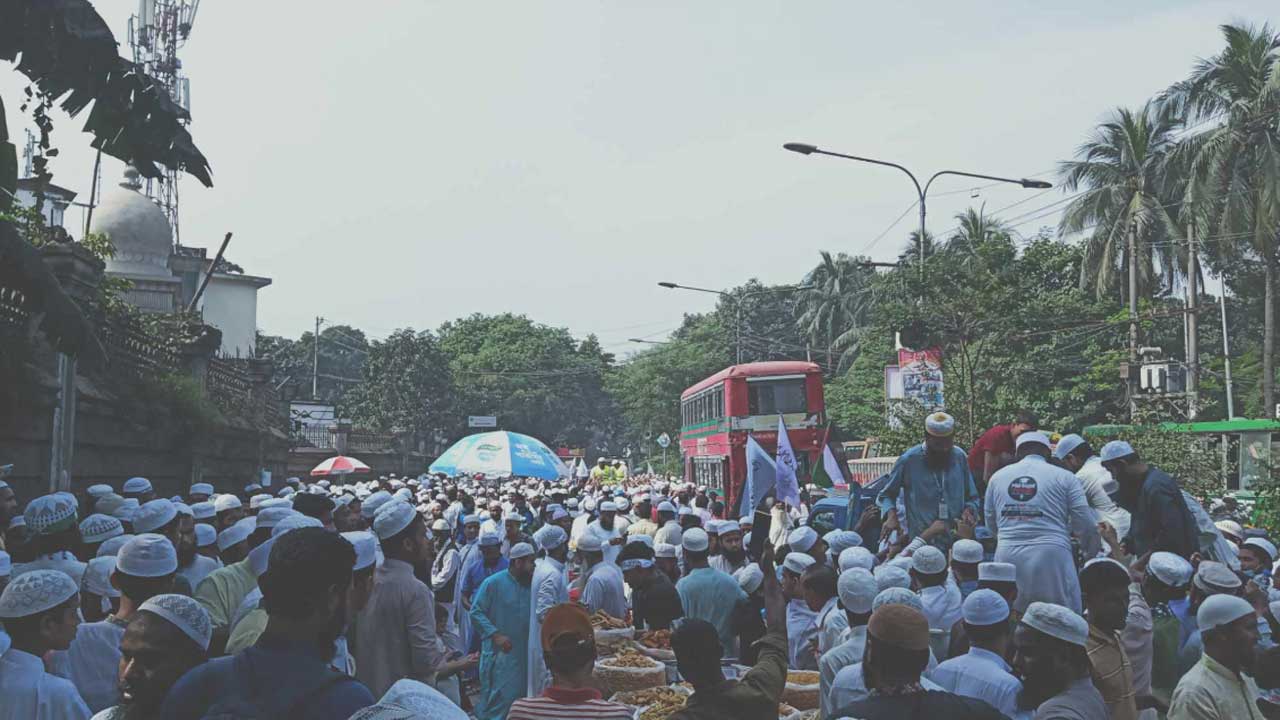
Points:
(1029, 578)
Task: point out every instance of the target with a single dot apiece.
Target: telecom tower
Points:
(156, 33)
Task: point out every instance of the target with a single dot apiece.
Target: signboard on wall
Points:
(921, 374)
(482, 421)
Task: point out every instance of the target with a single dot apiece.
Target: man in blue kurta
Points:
(936, 486)
(500, 619)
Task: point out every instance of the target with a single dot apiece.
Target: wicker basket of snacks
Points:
(656, 644)
(608, 627)
(801, 690)
(629, 670)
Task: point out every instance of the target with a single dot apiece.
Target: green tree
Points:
(835, 310)
(406, 387)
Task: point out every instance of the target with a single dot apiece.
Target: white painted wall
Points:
(231, 305)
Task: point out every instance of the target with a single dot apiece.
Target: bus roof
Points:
(760, 369)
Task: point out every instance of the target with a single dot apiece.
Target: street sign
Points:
(664, 440)
(482, 421)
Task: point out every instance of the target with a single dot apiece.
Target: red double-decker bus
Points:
(717, 414)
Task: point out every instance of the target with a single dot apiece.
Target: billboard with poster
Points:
(920, 372)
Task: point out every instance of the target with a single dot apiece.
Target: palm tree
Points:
(1120, 175)
(837, 307)
(1233, 185)
(975, 230)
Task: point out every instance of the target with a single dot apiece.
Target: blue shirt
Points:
(479, 573)
(923, 488)
(502, 606)
(277, 676)
(708, 594)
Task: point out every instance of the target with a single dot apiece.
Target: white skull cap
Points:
(802, 538)
(666, 507)
(889, 576)
(643, 539)
(35, 592)
(796, 562)
(1222, 609)
(967, 551)
(270, 517)
(234, 535)
(1116, 449)
(840, 540)
(520, 550)
(856, 557)
(294, 521)
(1214, 577)
(226, 502)
(203, 510)
(750, 578)
(392, 518)
(998, 572)
(695, 540)
(201, 489)
(184, 613)
(205, 535)
(137, 485)
(366, 546)
(369, 508)
(1032, 436)
(664, 550)
(858, 589)
(112, 546)
(98, 491)
(147, 555)
(1066, 445)
(409, 700)
(985, 607)
(153, 515)
(897, 596)
(1172, 570)
(929, 560)
(491, 539)
(97, 577)
(940, 424)
(1262, 544)
(50, 514)
(1058, 622)
(98, 528)
(549, 537)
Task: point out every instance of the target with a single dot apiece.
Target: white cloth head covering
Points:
(184, 613)
(1230, 527)
(153, 515)
(985, 607)
(666, 506)
(270, 517)
(147, 555)
(1262, 544)
(1116, 449)
(750, 577)
(226, 502)
(901, 562)
(366, 547)
(203, 510)
(729, 526)
(608, 506)
(797, 562)
(997, 572)
(201, 489)
(34, 592)
(695, 540)
(369, 508)
(1067, 444)
(840, 540)
(858, 589)
(97, 578)
(183, 509)
(1211, 576)
(1172, 570)
(293, 522)
(49, 514)
(1221, 609)
(897, 596)
(520, 550)
(888, 576)
(802, 538)
(112, 546)
(1058, 622)
(274, 502)
(1032, 436)
(664, 550)
(97, 528)
(137, 485)
(940, 424)
(491, 539)
(205, 535)
(234, 535)
(411, 700)
(550, 536)
(929, 560)
(856, 557)
(966, 551)
(392, 518)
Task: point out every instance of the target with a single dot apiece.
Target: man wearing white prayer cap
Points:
(669, 530)
(145, 567)
(732, 555)
(851, 685)
(1003, 579)
(888, 576)
(611, 530)
(204, 513)
(1161, 517)
(1034, 509)
(1218, 687)
(396, 631)
(168, 636)
(1211, 578)
(934, 482)
(856, 557)
(666, 559)
(965, 556)
(805, 539)
(941, 599)
(40, 612)
(602, 584)
(95, 530)
(549, 587)
(500, 615)
(98, 598)
(857, 588)
(982, 673)
(138, 488)
(199, 492)
(801, 627)
(1078, 456)
(228, 509)
(1051, 644)
(1104, 586)
(410, 700)
(369, 508)
(54, 536)
(207, 543)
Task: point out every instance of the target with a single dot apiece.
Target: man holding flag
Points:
(936, 488)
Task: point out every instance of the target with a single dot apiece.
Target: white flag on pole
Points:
(788, 487)
(832, 468)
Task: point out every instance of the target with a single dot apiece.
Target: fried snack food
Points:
(651, 696)
(656, 639)
(628, 658)
(803, 677)
(604, 621)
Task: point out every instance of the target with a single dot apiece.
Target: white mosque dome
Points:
(137, 228)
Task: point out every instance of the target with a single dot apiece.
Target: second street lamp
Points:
(737, 306)
(921, 192)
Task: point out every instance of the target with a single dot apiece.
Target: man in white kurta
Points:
(1076, 453)
(550, 588)
(27, 692)
(603, 589)
(982, 673)
(611, 530)
(1034, 508)
(857, 591)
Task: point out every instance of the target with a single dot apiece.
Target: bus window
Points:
(771, 397)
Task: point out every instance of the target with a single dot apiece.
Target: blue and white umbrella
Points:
(501, 454)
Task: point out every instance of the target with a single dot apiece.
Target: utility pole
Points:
(1193, 343)
(315, 361)
(1133, 318)
(1226, 347)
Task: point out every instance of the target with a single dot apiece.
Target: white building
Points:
(57, 200)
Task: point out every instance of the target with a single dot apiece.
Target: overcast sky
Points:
(395, 164)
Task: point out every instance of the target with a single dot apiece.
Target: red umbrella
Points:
(339, 465)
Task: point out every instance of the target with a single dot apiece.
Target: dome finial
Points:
(132, 179)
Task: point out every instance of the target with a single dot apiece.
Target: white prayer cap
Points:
(520, 550)
(623, 504)
(796, 562)
(901, 561)
(928, 560)
(746, 539)
(888, 576)
(97, 577)
(34, 592)
(202, 510)
(940, 424)
(113, 545)
(750, 577)
(124, 512)
(371, 504)
(153, 515)
(1214, 576)
(1058, 622)
(802, 538)
(471, 519)
(184, 509)
(840, 540)
(985, 607)
(558, 513)
(6, 564)
(1172, 570)
(440, 525)
(99, 491)
(589, 503)
(1262, 544)
(550, 536)
(285, 492)
(493, 539)
(234, 535)
(97, 528)
(366, 548)
(1230, 527)
(271, 502)
(684, 510)
(1221, 609)
(858, 589)
(201, 489)
(185, 614)
(147, 555)
(512, 517)
(342, 499)
(50, 514)
(998, 572)
(403, 494)
(270, 517)
(713, 527)
(392, 518)
(897, 596)
(856, 557)
(747, 521)
(410, 700)
(205, 535)
(107, 504)
(137, 485)
(641, 538)
(666, 506)
(1067, 444)
(664, 550)
(1032, 436)
(730, 526)
(1116, 449)
(966, 551)
(695, 540)
(294, 521)
(226, 502)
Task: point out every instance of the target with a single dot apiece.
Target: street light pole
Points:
(921, 192)
(737, 305)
